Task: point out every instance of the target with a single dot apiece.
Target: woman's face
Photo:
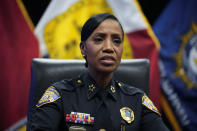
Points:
(103, 49)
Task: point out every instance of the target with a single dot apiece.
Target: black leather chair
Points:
(44, 72)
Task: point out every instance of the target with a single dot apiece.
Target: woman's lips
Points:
(107, 60)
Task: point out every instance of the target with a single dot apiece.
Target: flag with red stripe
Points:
(18, 47)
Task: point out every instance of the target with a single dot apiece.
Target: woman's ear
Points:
(82, 47)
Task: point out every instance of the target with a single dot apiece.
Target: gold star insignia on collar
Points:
(113, 89)
(91, 87)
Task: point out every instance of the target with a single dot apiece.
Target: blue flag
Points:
(176, 30)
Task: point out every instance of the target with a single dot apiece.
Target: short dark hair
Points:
(93, 22)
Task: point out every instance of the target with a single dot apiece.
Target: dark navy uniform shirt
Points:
(79, 103)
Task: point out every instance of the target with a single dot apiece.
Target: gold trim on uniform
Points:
(113, 89)
(149, 104)
(127, 114)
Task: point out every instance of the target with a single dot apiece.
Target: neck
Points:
(102, 79)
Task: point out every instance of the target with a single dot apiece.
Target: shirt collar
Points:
(93, 89)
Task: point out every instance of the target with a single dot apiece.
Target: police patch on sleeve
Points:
(49, 96)
(149, 104)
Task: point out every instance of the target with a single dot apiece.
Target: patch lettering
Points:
(149, 104)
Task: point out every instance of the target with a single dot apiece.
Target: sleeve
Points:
(48, 113)
(151, 118)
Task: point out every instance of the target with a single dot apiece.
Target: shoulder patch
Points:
(49, 96)
(149, 104)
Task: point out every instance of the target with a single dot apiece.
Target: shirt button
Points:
(79, 81)
(119, 84)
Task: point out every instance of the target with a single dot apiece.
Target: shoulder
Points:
(55, 91)
(128, 89)
(145, 100)
(64, 85)
(68, 84)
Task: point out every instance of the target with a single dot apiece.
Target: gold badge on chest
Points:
(127, 114)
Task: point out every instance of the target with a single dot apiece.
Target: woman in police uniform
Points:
(94, 100)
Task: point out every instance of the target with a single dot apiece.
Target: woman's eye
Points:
(117, 41)
(98, 39)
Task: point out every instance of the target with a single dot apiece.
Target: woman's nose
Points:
(108, 46)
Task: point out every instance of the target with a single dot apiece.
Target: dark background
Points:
(151, 8)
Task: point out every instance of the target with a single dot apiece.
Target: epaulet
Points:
(127, 89)
(64, 85)
(69, 84)
(50, 95)
(149, 104)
